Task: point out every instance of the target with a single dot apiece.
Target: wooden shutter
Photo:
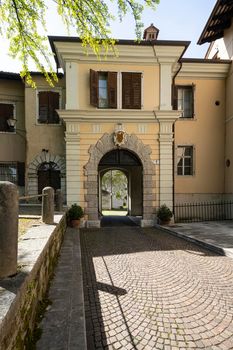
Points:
(131, 90)
(53, 105)
(193, 103)
(112, 89)
(136, 87)
(126, 90)
(43, 106)
(6, 111)
(175, 97)
(94, 96)
(21, 173)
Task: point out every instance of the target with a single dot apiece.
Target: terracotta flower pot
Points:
(75, 223)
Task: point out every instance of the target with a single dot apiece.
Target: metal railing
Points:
(203, 211)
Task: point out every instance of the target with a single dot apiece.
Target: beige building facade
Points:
(162, 120)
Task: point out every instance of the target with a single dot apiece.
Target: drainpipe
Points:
(173, 145)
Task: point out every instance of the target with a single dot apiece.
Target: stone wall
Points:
(21, 296)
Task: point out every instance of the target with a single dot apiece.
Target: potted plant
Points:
(164, 214)
(74, 215)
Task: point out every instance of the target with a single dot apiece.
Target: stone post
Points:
(59, 200)
(9, 209)
(48, 205)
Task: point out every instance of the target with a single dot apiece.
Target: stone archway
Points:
(32, 176)
(97, 151)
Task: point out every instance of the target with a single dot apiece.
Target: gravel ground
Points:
(26, 223)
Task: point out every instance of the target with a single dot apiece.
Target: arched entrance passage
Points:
(103, 146)
(121, 172)
(113, 192)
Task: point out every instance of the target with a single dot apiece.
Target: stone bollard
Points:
(48, 205)
(59, 200)
(9, 210)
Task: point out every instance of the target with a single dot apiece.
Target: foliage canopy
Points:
(21, 22)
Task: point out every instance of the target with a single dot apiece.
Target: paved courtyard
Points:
(146, 289)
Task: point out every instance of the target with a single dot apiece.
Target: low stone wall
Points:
(21, 295)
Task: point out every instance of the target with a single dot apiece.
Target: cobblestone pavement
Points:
(146, 289)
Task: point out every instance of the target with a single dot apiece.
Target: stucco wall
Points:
(150, 82)
(229, 134)
(206, 132)
(13, 144)
(88, 135)
(48, 136)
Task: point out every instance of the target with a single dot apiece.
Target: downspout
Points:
(173, 145)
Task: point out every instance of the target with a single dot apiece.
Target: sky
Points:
(175, 19)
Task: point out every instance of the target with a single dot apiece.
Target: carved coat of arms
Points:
(119, 137)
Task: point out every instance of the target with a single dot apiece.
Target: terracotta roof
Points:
(219, 20)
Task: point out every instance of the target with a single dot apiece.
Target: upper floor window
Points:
(185, 160)
(49, 101)
(131, 90)
(184, 100)
(6, 112)
(103, 89)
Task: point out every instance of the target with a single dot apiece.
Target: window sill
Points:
(48, 124)
(8, 132)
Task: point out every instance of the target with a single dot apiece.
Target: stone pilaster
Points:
(73, 171)
(166, 120)
(72, 90)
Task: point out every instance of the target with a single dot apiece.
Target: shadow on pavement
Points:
(114, 220)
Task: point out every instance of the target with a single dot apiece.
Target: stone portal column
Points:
(166, 120)
(73, 171)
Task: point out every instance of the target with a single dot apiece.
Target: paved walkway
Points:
(143, 289)
(215, 235)
(63, 327)
(146, 289)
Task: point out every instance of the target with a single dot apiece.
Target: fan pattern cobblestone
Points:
(146, 289)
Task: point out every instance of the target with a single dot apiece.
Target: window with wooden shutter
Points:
(103, 89)
(131, 90)
(184, 100)
(94, 83)
(48, 103)
(6, 112)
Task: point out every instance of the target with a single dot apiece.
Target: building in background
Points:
(162, 120)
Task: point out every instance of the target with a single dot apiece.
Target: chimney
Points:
(151, 33)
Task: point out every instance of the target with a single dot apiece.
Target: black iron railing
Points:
(203, 211)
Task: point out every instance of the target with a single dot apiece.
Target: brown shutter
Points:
(136, 86)
(94, 96)
(131, 90)
(53, 105)
(126, 90)
(43, 106)
(112, 89)
(6, 111)
(193, 104)
(175, 97)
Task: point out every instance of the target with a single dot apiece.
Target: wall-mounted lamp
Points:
(11, 123)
